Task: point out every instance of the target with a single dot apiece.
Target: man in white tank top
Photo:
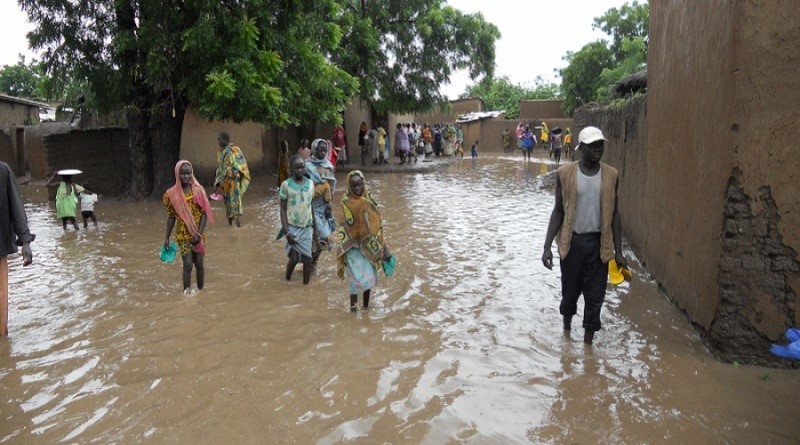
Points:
(586, 223)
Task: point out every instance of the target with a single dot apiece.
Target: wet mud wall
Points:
(7, 149)
(199, 144)
(761, 294)
(101, 154)
(541, 109)
(709, 193)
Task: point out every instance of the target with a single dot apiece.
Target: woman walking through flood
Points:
(360, 244)
(67, 198)
(187, 203)
(232, 177)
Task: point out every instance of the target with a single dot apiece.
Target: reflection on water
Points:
(463, 344)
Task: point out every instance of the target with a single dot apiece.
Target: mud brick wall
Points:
(757, 274)
(541, 109)
(7, 154)
(102, 155)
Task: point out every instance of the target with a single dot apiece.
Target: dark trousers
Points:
(582, 272)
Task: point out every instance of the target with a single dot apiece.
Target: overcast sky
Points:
(536, 34)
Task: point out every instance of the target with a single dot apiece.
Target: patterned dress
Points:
(299, 215)
(182, 236)
(360, 245)
(233, 177)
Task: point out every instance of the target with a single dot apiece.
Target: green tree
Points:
(580, 80)
(501, 94)
(591, 71)
(633, 59)
(259, 60)
(401, 51)
(627, 22)
(20, 80)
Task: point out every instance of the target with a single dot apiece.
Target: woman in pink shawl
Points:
(187, 204)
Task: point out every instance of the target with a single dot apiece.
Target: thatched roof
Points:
(632, 84)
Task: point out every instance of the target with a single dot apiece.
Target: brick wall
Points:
(101, 154)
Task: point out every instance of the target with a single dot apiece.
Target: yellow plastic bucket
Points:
(614, 273)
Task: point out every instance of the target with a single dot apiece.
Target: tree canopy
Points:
(597, 65)
(628, 22)
(402, 51)
(21, 79)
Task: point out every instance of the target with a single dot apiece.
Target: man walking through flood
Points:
(587, 223)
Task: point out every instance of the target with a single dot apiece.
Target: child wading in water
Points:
(187, 204)
(361, 249)
(88, 199)
(297, 217)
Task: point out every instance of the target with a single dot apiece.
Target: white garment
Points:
(87, 202)
(587, 209)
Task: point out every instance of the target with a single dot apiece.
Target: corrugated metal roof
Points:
(478, 115)
(19, 100)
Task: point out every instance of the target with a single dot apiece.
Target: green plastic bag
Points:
(389, 265)
(168, 254)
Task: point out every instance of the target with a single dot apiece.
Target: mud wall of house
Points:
(35, 159)
(13, 114)
(474, 131)
(540, 109)
(490, 134)
(356, 113)
(101, 154)
(199, 144)
(760, 273)
(689, 132)
(7, 154)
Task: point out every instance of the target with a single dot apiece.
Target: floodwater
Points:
(464, 345)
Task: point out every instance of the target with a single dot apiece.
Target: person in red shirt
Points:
(339, 144)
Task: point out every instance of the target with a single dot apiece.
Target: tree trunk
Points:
(139, 178)
(168, 152)
(140, 149)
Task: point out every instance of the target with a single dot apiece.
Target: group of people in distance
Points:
(584, 223)
(411, 142)
(555, 141)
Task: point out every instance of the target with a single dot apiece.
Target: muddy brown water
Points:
(463, 345)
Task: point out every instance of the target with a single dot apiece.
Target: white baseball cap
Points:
(590, 134)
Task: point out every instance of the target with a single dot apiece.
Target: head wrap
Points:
(175, 195)
(324, 162)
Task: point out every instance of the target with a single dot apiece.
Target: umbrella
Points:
(69, 172)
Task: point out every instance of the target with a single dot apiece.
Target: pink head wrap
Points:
(175, 194)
